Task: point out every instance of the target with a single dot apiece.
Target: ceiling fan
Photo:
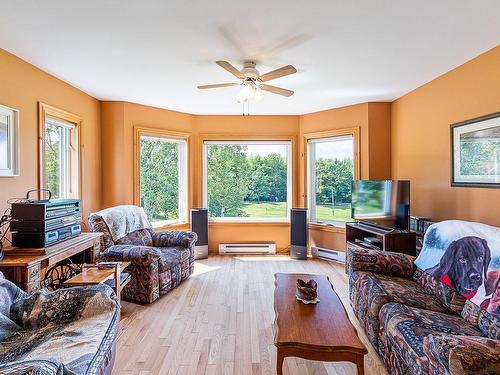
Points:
(253, 81)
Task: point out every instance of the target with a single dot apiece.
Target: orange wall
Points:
(119, 118)
(421, 140)
(117, 127)
(373, 120)
(23, 86)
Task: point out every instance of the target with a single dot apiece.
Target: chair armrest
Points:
(40, 366)
(62, 306)
(174, 238)
(144, 255)
(395, 264)
(461, 355)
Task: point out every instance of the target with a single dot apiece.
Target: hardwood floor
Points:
(220, 321)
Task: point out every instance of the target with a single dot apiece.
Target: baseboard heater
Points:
(328, 254)
(247, 248)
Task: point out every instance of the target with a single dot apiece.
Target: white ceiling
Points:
(156, 52)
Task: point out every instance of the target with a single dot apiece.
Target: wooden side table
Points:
(28, 268)
(109, 273)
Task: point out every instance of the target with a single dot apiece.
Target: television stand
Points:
(391, 240)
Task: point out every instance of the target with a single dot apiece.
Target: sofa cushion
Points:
(403, 330)
(488, 323)
(446, 295)
(140, 237)
(461, 355)
(369, 292)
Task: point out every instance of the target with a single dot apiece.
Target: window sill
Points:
(172, 226)
(222, 223)
(335, 228)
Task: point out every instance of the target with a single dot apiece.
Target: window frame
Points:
(185, 181)
(12, 168)
(249, 139)
(47, 113)
(310, 171)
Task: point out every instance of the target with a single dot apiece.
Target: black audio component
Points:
(44, 239)
(298, 233)
(44, 225)
(44, 210)
(199, 225)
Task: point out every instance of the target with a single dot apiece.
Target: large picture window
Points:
(331, 172)
(247, 180)
(163, 179)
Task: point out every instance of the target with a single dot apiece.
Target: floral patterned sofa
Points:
(159, 260)
(420, 324)
(69, 331)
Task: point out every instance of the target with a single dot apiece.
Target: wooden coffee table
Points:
(320, 332)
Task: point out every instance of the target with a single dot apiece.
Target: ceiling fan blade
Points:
(276, 90)
(281, 72)
(231, 69)
(217, 85)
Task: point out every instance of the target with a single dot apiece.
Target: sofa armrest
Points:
(62, 306)
(461, 355)
(395, 264)
(144, 255)
(174, 238)
(27, 367)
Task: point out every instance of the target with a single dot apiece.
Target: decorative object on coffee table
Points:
(321, 332)
(475, 146)
(307, 291)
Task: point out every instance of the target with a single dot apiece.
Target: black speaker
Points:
(298, 233)
(199, 225)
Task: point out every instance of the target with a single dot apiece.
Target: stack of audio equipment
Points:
(45, 222)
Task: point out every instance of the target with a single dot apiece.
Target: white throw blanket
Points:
(125, 219)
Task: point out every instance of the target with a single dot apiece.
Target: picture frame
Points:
(475, 152)
(9, 141)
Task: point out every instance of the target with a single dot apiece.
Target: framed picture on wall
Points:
(9, 141)
(475, 147)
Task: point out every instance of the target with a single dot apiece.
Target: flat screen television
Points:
(382, 203)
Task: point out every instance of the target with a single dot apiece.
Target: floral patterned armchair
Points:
(159, 261)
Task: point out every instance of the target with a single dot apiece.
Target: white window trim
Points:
(183, 170)
(12, 116)
(289, 201)
(311, 176)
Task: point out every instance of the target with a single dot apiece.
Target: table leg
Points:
(279, 362)
(360, 364)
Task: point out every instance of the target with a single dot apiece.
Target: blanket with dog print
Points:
(466, 257)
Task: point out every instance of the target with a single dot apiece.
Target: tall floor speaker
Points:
(298, 233)
(199, 225)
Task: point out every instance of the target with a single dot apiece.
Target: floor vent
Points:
(247, 248)
(328, 254)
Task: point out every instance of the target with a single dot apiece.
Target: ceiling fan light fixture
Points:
(258, 95)
(246, 93)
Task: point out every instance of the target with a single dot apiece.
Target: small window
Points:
(59, 152)
(331, 172)
(163, 179)
(247, 180)
(57, 144)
